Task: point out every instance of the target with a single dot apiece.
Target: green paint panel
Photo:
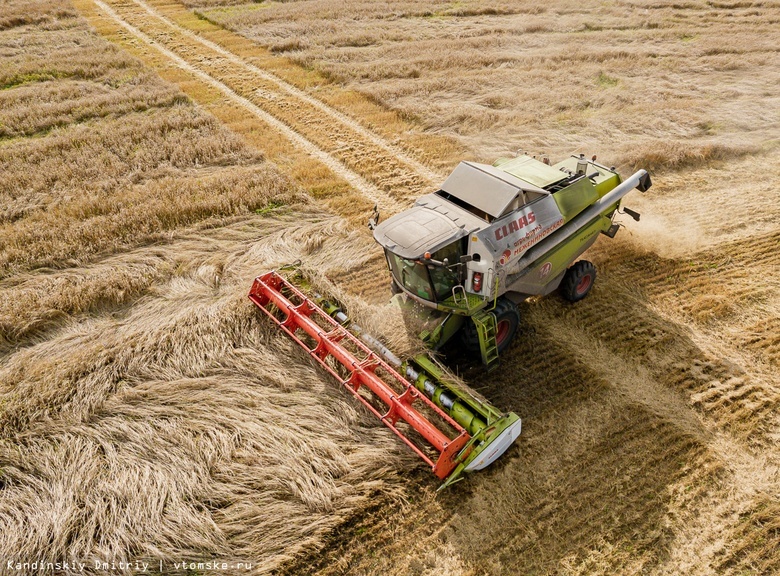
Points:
(606, 183)
(443, 332)
(604, 180)
(531, 170)
(468, 305)
(575, 198)
(562, 256)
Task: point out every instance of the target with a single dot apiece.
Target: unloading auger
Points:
(451, 429)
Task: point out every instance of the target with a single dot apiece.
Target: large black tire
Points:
(394, 287)
(578, 281)
(507, 321)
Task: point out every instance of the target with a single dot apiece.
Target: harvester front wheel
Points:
(507, 321)
(578, 281)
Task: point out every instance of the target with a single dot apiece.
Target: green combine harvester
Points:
(461, 259)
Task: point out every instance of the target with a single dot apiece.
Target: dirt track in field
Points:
(650, 410)
(343, 164)
(375, 169)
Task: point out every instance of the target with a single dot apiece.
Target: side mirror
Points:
(374, 220)
(466, 258)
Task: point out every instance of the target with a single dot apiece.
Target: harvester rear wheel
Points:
(578, 281)
(507, 321)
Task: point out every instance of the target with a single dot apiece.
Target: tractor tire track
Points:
(744, 474)
(354, 179)
(718, 382)
(295, 92)
(379, 171)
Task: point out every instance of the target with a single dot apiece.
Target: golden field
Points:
(156, 155)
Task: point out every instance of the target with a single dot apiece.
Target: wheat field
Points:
(145, 412)
(156, 155)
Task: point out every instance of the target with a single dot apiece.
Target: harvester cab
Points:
(493, 235)
(463, 258)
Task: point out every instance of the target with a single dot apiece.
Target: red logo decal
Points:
(515, 225)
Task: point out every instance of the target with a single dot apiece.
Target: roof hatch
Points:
(418, 230)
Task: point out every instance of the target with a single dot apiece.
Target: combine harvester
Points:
(461, 260)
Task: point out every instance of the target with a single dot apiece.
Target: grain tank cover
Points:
(489, 189)
(532, 170)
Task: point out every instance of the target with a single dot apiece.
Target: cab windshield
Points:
(428, 281)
